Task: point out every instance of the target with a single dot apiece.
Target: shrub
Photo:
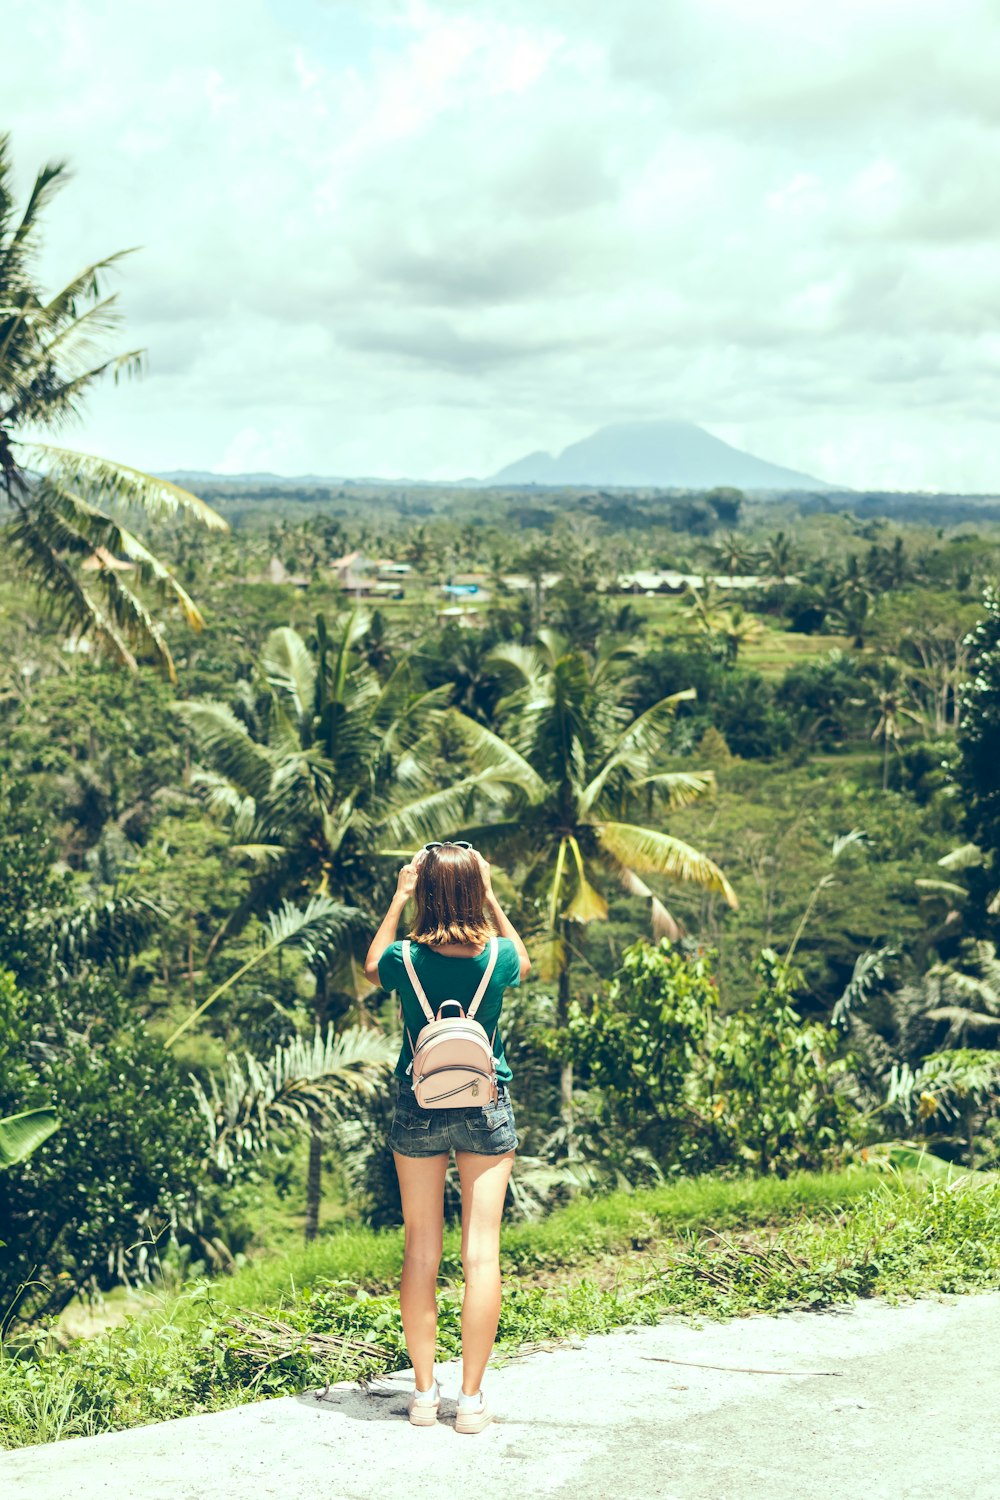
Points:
(698, 1090)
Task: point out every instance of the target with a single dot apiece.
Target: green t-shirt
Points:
(447, 978)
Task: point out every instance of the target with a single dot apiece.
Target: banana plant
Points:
(21, 1134)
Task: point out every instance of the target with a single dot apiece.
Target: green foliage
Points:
(21, 1134)
(977, 771)
(696, 1248)
(700, 1090)
(79, 1212)
(643, 1045)
(145, 917)
(66, 508)
(772, 1079)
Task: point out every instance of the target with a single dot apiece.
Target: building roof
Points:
(101, 560)
(276, 572)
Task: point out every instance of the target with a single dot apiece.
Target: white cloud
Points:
(426, 237)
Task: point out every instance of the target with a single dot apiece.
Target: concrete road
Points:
(872, 1403)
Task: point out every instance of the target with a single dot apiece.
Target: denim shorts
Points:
(486, 1129)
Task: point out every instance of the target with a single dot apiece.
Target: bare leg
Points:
(421, 1189)
(484, 1186)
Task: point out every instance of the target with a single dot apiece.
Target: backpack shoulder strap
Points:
(484, 983)
(418, 988)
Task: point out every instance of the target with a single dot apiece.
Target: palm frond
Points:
(407, 725)
(435, 814)
(587, 905)
(255, 1104)
(648, 851)
(870, 970)
(492, 756)
(961, 1019)
(290, 669)
(225, 741)
(313, 930)
(663, 922)
(555, 888)
(942, 888)
(104, 532)
(680, 788)
(120, 484)
(942, 1081)
(259, 854)
(519, 667)
(101, 932)
(223, 798)
(47, 402)
(133, 621)
(39, 538)
(965, 857)
(47, 183)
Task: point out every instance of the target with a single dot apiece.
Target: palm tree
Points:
(931, 1042)
(734, 553)
(851, 596)
(68, 508)
(580, 767)
(779, 556)
(733, 626)
(341, 765)
(892, 706)
(303, 1082)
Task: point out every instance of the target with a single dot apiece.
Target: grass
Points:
(700, 1247)
(778, 650)
(771, 654)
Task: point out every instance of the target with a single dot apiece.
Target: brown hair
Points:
(449, 897)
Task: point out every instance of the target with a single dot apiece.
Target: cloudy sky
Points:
(425, 238)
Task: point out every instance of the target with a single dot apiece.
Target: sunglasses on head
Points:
(449, 844)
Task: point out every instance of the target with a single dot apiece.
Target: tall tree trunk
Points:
(314, 1175)
(562, 1020)
(970, 1136)
(314, 1181)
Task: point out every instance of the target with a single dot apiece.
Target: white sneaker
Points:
(423, 1410)
(474, 1418)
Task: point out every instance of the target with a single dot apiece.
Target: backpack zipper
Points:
(455, 1068)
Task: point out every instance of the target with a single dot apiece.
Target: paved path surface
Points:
(909, 1415)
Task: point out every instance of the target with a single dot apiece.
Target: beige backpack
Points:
(452, 1063)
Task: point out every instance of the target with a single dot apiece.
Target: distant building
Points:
(276, 572)
(352, 572)
(386, 567)
(465, 591)
(667, 581)
(652, 581)
(522, 581)
(463, 615)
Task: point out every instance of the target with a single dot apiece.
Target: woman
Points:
(456, 913)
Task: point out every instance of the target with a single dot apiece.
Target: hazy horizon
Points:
(420, 240)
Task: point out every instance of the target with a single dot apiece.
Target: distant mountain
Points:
(663, 455)
(210, 476)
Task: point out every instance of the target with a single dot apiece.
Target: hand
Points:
(485, 871)
(406, 880)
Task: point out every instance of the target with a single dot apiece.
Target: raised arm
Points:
(501, 921)
(405, 882)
